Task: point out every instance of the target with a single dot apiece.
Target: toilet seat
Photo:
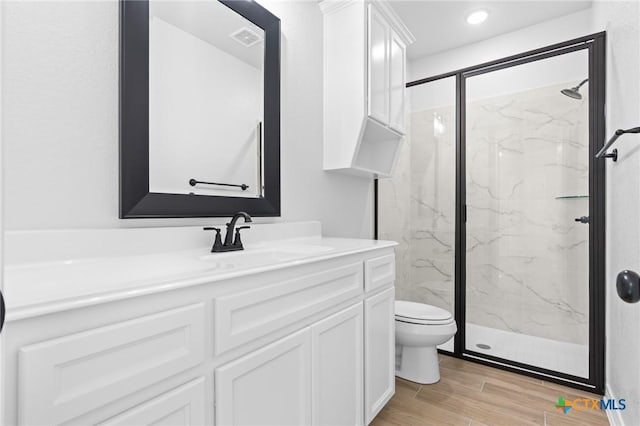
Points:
(420, 313)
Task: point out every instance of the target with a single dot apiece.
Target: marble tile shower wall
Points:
(527, 259)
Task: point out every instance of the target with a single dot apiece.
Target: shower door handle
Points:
(583, 219)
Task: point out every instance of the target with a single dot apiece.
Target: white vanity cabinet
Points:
(271, 386)
(365, 78)
(310, 343)
(379, 360)
(314, 376)
(184, 406)
(337, 368)
(379, 333)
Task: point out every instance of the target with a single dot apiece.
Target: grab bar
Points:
(616, 135)
(194, 182)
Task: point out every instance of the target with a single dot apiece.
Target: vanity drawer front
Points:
(183, 406)
(242, 317)
(379, 272)
(63, 378)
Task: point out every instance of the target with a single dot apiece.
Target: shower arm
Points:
(580, 85)
(616, 135)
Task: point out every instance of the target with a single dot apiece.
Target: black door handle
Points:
(583, 219)
(2, 311)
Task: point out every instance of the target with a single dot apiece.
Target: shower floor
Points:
(568, 358)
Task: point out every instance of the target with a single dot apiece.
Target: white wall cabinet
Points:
(305, 344)
(364, 107)
(378, 64)
(397, 83)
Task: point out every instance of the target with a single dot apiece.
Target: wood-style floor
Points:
(474, 394)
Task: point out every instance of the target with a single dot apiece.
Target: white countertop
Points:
(38, 288)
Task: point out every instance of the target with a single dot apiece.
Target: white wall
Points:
(204, 108)
(621, 19)
(554, 31)
(569, 68)
(60, 106)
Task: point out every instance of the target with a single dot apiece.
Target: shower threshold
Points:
(563, 357)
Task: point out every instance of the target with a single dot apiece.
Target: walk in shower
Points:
(498, 206)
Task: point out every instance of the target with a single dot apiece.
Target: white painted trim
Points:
(332, 6)
(614, 416)
(394, 20)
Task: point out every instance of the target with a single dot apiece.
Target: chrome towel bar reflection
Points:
(194, 182)
(616, 135)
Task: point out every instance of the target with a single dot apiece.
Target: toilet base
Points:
(418, 364)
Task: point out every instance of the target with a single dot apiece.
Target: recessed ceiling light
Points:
(477, 17)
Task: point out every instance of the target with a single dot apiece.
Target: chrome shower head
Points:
(574, 92)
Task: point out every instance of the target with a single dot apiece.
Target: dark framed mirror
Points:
(199, 109)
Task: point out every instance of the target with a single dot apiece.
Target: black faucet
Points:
(231, 243)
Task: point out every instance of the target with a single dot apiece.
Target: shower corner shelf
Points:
(570, 197)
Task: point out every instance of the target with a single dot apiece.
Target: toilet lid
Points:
(421, 312)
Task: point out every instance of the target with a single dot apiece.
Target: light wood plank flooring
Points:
(474, 394)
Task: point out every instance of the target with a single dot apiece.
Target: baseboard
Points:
(614, 416)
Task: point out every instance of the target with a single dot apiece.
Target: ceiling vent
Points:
(246, 37)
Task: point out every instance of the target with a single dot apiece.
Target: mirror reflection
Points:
(205, 100)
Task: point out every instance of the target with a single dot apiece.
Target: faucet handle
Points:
(217, 245)
(237, 241)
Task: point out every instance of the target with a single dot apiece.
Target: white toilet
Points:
(419, 329)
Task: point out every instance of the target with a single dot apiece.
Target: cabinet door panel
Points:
(378, 66)
(242, 317)
(379, 272)
(63, 378)
(397, 84)
(183, 406)
(337, 368)
(271, 386)
(379, 357)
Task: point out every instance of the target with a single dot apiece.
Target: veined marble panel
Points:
(527, 259)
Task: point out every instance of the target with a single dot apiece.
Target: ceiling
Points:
(212, 22)
(441, 25)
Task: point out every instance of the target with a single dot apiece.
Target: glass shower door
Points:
(527, 214)
(417, 206)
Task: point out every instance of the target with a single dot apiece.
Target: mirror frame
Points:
(135, 199)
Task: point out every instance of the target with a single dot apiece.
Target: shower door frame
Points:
(596, 45)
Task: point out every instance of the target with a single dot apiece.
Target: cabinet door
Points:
(396, 83)
(271, 386)
(66, 377)
(337, 368)
(184, 406)
(378, 60)
(379, 352)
